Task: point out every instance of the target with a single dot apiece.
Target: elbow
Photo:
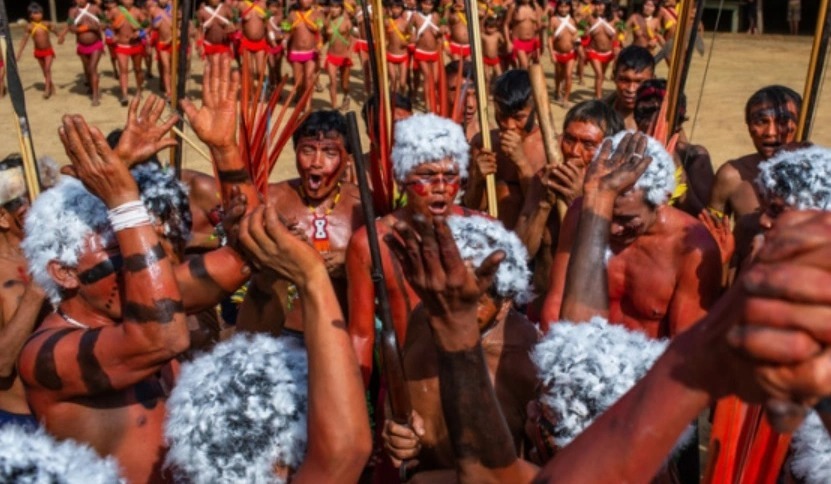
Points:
(342, 459)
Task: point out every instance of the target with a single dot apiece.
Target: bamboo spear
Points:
(676, 66)
(816, 70)
(474, 36)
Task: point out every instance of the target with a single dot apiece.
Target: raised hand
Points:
(144, 136)
(618, 171)
(95, 164)
(719, 228)
(272, 246)
(449, 290)
(215, 123)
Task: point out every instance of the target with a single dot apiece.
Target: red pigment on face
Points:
(453, 189)
(421, 188)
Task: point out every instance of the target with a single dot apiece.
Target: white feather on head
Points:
(584, 368)
(239, 411)
(12, 184)
(166, 199)
(811, 451)
(427, 138)
(34, 457)
(801, 178)
(49, 171)
(658, 181)
(56, 226)
(478, 237)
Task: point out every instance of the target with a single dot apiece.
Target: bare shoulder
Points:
(693, 236)
(284, 191)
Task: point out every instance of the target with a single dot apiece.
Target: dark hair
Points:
(657, 88)
(512, 91)
(398, 100)
(34, 7)
(13, 160)
(452, 68)
(598, 113)
(775, 95)
(322, 122)
(636, 58)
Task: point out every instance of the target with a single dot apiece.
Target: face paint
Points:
(101, 270)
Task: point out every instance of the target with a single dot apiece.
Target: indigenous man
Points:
(320, 209)
(430, 158)
(771, 115)
(254, 15)
(693, 169)
(663, 267)
(634, 65)
(599, 51)
(397, 32)
(106, 355)
(304, 43)
(699, 366)
(125, 20)
(21, 299)
(84, 22)
(507, 338)
(517, 154)
(459, 42)
(461, 97)
(338, 53)
(522, 26)
(561, 43)
(361, 45)
(214, 17)
(584, 128)
(428, 41)
(160, 22)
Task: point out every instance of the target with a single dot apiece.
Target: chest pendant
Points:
(320, 236)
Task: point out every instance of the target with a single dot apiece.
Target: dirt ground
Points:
(740, 64)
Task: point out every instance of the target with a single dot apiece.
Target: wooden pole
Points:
(474, 36)
(539, 88)
(816, 71)
(380, 39)
(676, 67)
(15, 88)
(179, 66)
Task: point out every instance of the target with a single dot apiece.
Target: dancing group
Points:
(419, 38)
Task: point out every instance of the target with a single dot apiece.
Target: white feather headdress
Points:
(239, 411)
(658, 181)
(34, 457)
(426, 138)
(56, 225)
(478, 237)
(585, 368)
(811, 447)
(801, 178)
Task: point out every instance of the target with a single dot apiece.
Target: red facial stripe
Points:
(453, 189)
(421, 187)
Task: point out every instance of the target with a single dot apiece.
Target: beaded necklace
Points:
(320, 222)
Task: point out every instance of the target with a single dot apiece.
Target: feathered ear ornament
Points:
(239, 412)
(584, 368)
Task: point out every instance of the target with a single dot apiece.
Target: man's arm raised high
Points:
(339, 436)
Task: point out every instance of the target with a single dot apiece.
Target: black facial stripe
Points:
(101, 270)
(46, 372)
(95, 379)
(234, 176)
(139, 262)
(162, 311)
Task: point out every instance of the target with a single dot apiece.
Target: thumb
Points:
(69, 170)
(417, 424)
(188, 109)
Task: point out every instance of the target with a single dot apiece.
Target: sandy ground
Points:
(740, 64)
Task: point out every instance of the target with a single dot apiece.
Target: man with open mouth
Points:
(320, 208)
(771, 115)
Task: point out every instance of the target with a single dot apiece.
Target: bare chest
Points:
(641, 284)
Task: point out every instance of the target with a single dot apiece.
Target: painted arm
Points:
(727, 178)
(533, 219)
(338, 423)
(361, 297)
